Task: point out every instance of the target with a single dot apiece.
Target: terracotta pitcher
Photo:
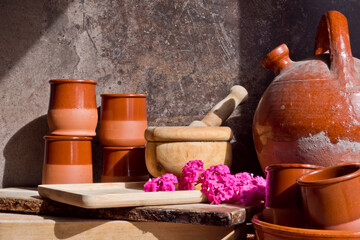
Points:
(310, 113)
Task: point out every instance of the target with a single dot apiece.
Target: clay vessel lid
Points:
(188, 134)
(124, 95)
(67, 138)
(72, 81)
(330, 175)
(290, 233)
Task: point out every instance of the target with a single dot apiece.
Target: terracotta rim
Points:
(303, 179)
(125, 95)
(72, 81)
(299, 232)
(67, 138)
(280, 166)
(124, 148)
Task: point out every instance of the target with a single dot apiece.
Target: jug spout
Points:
(277, 59)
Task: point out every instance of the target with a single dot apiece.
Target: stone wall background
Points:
(185, 54)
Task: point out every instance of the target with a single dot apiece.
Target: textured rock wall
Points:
(185, 54)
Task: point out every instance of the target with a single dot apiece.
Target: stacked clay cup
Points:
(72, 119)
(123, 121)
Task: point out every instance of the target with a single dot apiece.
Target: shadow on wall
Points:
(22, 23)
(24, 155)
(21, 26)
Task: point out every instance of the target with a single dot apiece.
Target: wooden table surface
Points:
(54, 219)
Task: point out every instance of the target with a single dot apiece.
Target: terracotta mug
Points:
(72, 108)
(331, 197)
(123, 120)
(124, 164)
(283, 204)
(67, 159)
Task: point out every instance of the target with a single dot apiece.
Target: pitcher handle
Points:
(333, 35)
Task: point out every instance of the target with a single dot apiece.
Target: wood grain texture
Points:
(223, 109)
(109, 195)
(27, 200)
(171, 157)
(26, 227)
(187, 133)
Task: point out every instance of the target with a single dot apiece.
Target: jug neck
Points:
(277, 59)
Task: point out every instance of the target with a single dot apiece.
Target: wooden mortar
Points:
(168, 149)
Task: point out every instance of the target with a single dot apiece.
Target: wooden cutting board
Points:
(111, 195)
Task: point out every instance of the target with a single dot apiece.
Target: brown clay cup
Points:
(123, 120)
(72, 107)
(67, 159)
(283, 203)
(331, 197)
(124, 164)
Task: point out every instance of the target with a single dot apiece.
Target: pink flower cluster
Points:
(217, 183)
(190, 174)
(164, 183)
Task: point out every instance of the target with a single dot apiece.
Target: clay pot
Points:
(310, 113)
(124, 164)
(331, 197)
(67, 159)
(269, 231)
(169, 148)
(283, 204)
(123, 120)
(72, 108)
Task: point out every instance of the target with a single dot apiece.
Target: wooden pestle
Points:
(222, 110)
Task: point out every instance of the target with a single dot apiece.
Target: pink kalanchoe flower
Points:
(152, 185)
(218, 184)
(249, 190)
(167, 182)
(164, 183)
(190, 174)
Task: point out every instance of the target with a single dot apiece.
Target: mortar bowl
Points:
(168, 149)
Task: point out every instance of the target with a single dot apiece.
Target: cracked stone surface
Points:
(185, 54)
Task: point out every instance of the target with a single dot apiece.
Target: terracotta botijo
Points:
(310, 113)
(123, 120)
(331, 197)
(283, 203)
(124, 164)
(67, 159)
(72, 108)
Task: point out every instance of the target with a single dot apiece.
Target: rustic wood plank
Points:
(118, 194)
(28, 227)
(27, 200)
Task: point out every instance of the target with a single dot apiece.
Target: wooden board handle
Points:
(222, 110)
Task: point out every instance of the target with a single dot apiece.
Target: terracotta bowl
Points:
(124, 164)
(269, 231)
(331, 197)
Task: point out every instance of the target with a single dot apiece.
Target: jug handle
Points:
(333, 35)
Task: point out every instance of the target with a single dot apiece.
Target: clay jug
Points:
(310, 113)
